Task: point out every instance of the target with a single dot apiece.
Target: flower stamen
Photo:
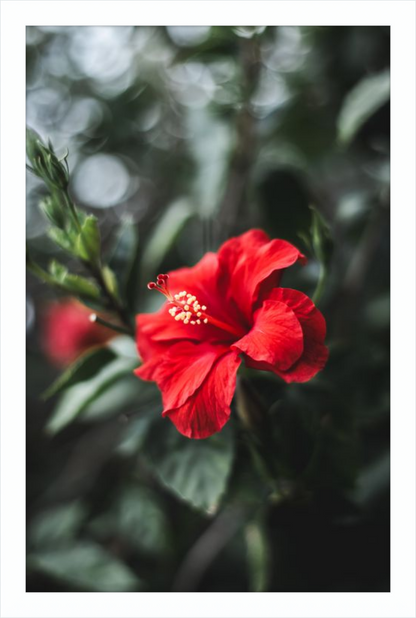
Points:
(186, 308)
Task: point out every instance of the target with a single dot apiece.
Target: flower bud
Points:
(44, 162)
(68, 331)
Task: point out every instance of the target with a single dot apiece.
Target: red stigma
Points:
(151, 286)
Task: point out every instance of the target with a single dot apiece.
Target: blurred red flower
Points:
(68, 331)
(227, 306)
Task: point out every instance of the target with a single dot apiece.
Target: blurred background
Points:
(178, 138)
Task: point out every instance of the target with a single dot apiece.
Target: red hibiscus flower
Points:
(68, 331)
(227, 307)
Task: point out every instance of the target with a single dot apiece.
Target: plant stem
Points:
(97, 273)
(113, 302)
(253, 418)
(118, 329)
(320, 286)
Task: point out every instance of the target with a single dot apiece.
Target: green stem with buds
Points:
(78, 235)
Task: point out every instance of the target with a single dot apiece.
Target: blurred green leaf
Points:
(138, 519)
(137, 430)
(361, 103)
(248, 32)
(122, 396)
(33, 141)
(196, 471)
(257, 555)
(110, 281)
(211, 147)
(86, 566)
(123, 345)
(62, 239)
(88, 243)
(322, 243)
(75, 284)
(56, 526)
(123, 257)
(76, 399)
(148, 410)
(319, 241)
(373, 482)
(165, 234)
(52, 209)
(84, 368)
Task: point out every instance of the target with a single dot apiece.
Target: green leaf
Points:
(52, 209)
(319, 241)
(33, 141)
(148, 410)
(165, 234)
(76, 399)
(88, 245)
(123, 256)
(137, 517)
(137, 430)
(368, 96)
(110, 281)
(62, 239)
(84, 368)
(196, 471)
(257, 555)
(81, 286)
(122, 396)
(75, 284)
(57, 526)
(322, 243)
(86, 566)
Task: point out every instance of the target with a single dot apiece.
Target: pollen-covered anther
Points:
(184, 307)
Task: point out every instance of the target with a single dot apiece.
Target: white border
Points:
(15, 602)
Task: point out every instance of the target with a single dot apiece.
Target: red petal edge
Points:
(208, 409)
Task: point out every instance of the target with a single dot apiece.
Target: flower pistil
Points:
(185, 307)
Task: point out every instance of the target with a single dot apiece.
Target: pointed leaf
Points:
(76, 399)
(88, 242)
(86, 566)
(84, 368)
(110, 281)
(361, 103)
(196, 471)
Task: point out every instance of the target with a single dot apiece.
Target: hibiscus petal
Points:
(248, 261)
(315, 353)
(156, 332)
(276, 337)
(181, 370)
(200, 279)
(208, 409)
